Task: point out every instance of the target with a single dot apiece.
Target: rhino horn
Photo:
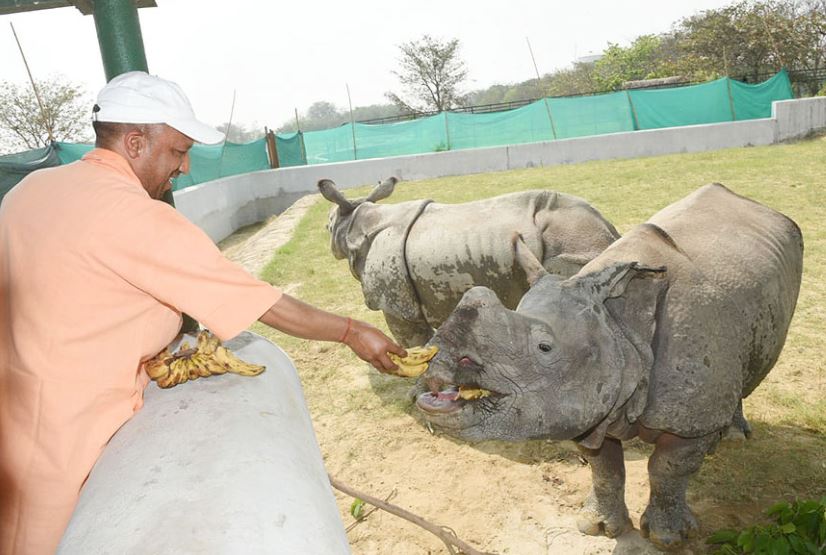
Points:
(382, 190)
(612, 280)
(329, 191)
(526, 259)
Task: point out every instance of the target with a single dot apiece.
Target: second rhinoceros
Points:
(659, 337)
(415, 259)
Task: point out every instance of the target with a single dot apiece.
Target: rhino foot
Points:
(667, 530)
(596, 519)
(740, 429)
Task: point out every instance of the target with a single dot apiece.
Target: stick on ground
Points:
(444, 533)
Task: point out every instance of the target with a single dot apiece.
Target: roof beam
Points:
(86, 7)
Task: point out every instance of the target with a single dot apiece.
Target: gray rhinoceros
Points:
(415, 259)
(659, 337)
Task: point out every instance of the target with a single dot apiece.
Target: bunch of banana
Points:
(207, 358)
(415, 363)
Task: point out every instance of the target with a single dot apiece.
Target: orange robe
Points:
(94, 275)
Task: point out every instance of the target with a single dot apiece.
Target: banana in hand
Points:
(415, 363)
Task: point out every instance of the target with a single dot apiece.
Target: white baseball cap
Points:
(137, 97)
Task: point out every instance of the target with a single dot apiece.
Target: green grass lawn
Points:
(785, 458)
(790, 178)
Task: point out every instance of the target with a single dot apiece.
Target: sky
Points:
(275, 57)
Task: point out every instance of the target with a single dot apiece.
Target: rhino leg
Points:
(409, 333)
(668, 521)
(604, 511)
(740, 428)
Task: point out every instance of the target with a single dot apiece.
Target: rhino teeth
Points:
(449, 394)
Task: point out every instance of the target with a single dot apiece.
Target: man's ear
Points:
(135, 143)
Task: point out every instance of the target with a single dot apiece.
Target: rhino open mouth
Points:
(450, 399)
(446, 397)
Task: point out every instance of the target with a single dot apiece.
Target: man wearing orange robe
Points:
(95, 272)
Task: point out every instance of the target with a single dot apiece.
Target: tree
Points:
(750, 39)
(375, 111)
(725, 42)
(23, 126)
(580, 79)
(240, 133)
(526, 90)
(323, 110)
(431, 72)
(325, 115)
(320, 115)
(644, 59)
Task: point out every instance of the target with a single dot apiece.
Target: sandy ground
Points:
(507, 498)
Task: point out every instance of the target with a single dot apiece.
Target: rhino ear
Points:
(633, 305)
(329, 191)
(612, 280)
(382, 190)
(526, 259)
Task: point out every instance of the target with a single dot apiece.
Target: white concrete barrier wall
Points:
(222, 206)
(221, 465)
(798, 118)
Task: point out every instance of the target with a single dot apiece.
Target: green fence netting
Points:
(397, 139)
(552, 118)
(527, 124)
(755, 101)
(544, 120)
(290, 149)
(692, 105)
(580, 116)
(70, 152)
(209, 162)
(14, 167)
(329, 145)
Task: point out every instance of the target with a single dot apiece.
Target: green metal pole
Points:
(121, 48)
(119, 36)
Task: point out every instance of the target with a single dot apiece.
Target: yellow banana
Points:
(213, 366)
(191, 368)
(158, 367)
(415, 363)
(207, 358)
(167, 381)
(470, 394)
(411, 371)
(235, 364)
(200, 365)
(207, 342)
(179, 370)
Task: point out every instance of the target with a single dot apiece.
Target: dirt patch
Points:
(254, 245)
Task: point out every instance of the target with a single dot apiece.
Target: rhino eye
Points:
(545, 348)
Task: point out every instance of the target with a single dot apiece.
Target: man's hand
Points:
(372, 346)
(300, 319)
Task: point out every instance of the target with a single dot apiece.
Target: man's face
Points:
(164, 156)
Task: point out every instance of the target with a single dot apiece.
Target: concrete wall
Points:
(224, 205)
(225, 464)
(798, 118)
